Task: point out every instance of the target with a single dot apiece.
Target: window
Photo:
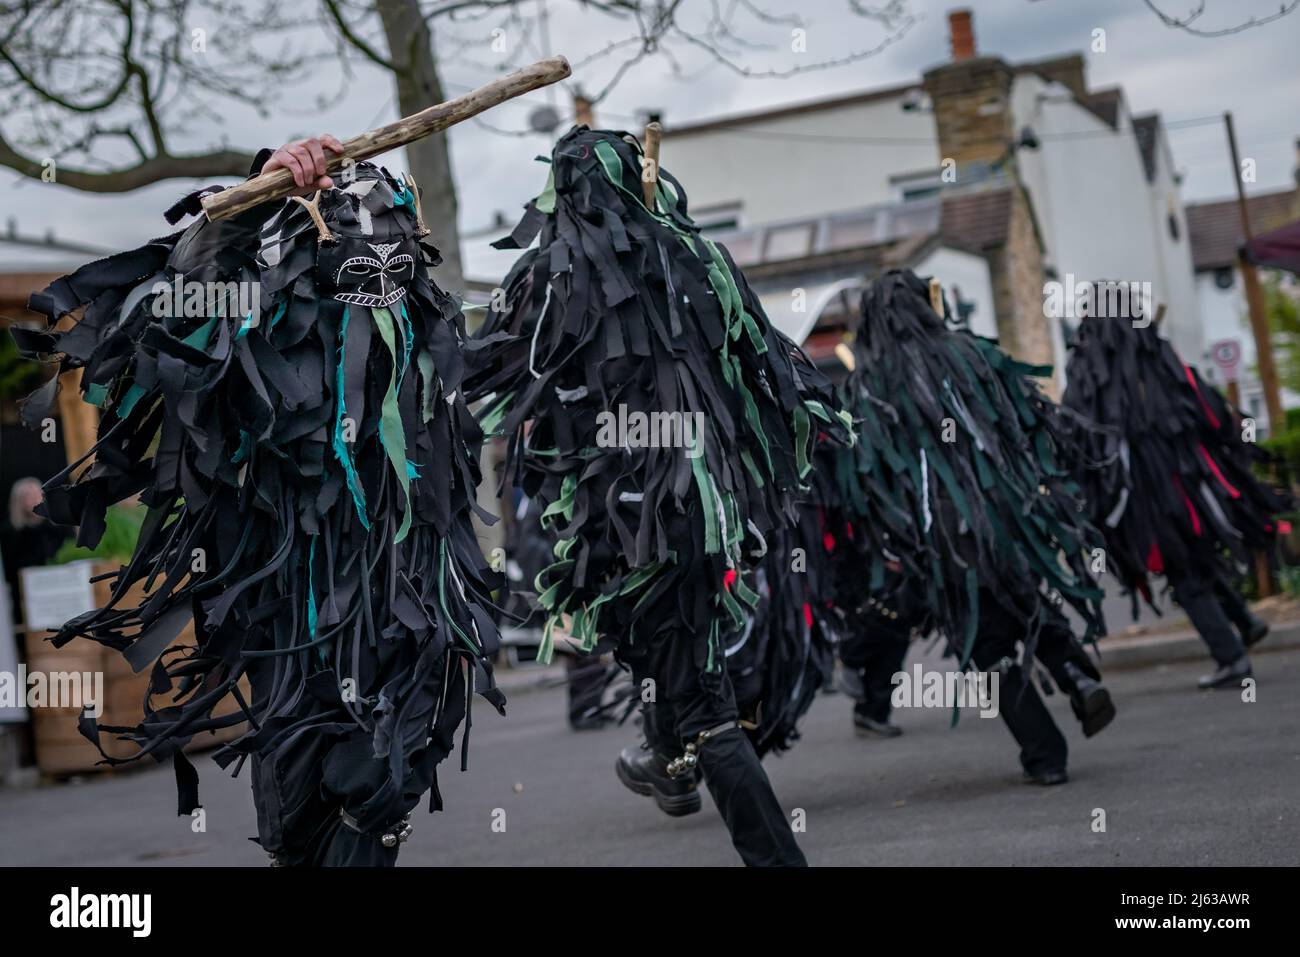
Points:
(788, 242)
(720, 226)
(722, 217)
(743, 247)
(913, 186)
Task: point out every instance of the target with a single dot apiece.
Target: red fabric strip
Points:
(1155, 564)
(1191, 380)
(1191, 509)
(1217, 474)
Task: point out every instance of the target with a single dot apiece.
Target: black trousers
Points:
(877, 654)
(1058, 647)
(322, 767)
(1234, 606)
(687, 703)
(1042, 746)
(1212, 607)
(587, 679)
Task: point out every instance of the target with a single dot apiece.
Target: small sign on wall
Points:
(52, 594)
(1226, 354)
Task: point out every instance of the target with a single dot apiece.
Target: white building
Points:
(996, 178)
(1091, 189)
(1216, 235)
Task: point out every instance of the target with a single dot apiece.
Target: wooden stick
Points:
(278, 183)
(936, 296)
(650, 169)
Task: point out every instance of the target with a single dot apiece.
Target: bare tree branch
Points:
(84, 74)
(151, 170)
(105, 100)
(355, 40)
(104, 87)
(1184, 23)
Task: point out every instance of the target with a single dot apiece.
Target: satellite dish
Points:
(915, 100)
(543, 119)
(1028, 139)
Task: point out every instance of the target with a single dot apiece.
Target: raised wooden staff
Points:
(650, 174)
(279, 183)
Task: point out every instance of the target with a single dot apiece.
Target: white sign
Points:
(54, 593)
(1226, 354)
(8, 658)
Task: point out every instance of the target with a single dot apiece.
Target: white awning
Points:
(780, 305)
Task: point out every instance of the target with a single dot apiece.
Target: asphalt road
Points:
(1184, 778)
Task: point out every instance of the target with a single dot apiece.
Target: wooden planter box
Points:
(60, 748)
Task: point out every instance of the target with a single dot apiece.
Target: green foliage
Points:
(18, 376)
(121, 532)
(1282, 307)
(1288, 579)
(1286, 446)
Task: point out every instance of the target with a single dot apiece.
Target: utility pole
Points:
(1263, 343)
(1255, 299)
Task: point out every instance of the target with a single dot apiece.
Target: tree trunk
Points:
(410, 46)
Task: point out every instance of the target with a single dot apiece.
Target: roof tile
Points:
(1215, 228)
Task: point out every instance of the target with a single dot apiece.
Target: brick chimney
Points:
(972, 98)
(974, 125)
(961, 35)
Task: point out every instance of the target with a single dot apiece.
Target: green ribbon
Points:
(391, 434)
(341, 450)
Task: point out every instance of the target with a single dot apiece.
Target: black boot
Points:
(644, 771)
(1089, 700)
(760, 831)
(1231, 674)
(1047, 778)
(868, 727)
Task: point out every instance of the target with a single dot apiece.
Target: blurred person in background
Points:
(27, 538)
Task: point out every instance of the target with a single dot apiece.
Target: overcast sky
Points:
(1254, 74)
